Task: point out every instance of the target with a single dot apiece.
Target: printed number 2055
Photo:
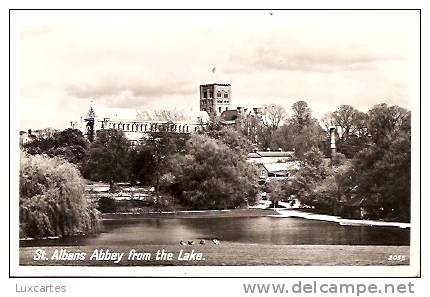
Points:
(396, 258)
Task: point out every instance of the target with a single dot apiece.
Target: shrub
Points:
(211, 176)
(52, 201)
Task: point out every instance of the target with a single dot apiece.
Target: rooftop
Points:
(216, 84)
(229, 115)
(279, 167)
(275, 153)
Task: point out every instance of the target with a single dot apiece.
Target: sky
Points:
(140, 60)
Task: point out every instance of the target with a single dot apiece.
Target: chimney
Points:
(332, 141)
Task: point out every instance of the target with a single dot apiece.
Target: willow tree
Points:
(51, 198)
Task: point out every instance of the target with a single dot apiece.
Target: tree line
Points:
(209, 169)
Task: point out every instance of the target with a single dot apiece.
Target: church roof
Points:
(229, 115)
(174, 115)
(275, 153)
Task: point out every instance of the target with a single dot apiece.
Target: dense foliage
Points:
(69, 144)
(208, 170)
(371, 169)
(51, 200)
(148, 160)
(108, 157)
(210, 175)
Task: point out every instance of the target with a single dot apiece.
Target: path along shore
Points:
(287, 213)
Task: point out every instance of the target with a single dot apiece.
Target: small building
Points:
(264, 157)
(274, 164)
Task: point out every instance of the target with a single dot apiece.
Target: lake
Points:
(267, 230)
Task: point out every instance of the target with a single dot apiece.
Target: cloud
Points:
(306, 60)
(124, 92)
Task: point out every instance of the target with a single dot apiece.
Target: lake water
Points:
(267, 230)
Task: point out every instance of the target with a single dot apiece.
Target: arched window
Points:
(114, 125)
(218, 94)
(188, 129)
(128, 127)
(145, 127)
(123, 126)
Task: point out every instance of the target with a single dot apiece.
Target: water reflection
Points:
(266, 230)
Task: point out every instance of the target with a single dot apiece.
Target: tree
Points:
(351, 129)
(272, 116)
(211, 175)
(302, 114)
(383, 177)
(312, 170)
(283, 138)
(346, 120)
(383, 169)
(307, 137)
(108, 157)
(304, 131)
(333, 191)
(229, 136)
(51, 198)
(328, 121)
(277, 190)
(143, 164)
(251, 126)
(69, 144)
(385, 122)
(162, 145)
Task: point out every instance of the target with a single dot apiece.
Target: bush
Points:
(52, 201)
(106, 205)
(210, 176)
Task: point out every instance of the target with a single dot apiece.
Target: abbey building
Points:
(215, 101)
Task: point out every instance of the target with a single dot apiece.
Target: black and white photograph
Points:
(224, 142)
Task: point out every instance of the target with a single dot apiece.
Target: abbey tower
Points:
(215, 98)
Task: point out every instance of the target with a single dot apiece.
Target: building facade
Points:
(135, 129)
(215, 98)
(274, 164)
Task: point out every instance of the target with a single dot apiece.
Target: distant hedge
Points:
(52, 201)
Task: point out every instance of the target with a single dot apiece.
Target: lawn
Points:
(229, 253)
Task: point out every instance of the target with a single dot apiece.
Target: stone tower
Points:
(90, 129)
(215, 98)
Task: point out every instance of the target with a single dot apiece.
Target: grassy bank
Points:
(228, 253)
(243, 212)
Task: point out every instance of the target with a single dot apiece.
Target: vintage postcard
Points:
(215, 143)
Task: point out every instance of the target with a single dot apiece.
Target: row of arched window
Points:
(151, 127)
